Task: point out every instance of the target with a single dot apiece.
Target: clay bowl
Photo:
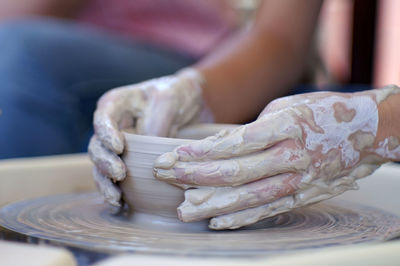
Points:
(141, 190)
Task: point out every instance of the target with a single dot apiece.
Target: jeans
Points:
(52, 72)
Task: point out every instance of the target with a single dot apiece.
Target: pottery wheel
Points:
(83, 220)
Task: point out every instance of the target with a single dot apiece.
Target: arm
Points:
(261, 63)
(235, 81)
(21, 8)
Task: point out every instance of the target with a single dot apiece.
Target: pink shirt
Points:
(190, 26)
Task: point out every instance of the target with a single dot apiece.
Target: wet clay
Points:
(143, 192)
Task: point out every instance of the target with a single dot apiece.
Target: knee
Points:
(21, 38)
(38, 28)
(27, 56)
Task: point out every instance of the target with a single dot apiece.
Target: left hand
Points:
(159, 106)
(302, 149)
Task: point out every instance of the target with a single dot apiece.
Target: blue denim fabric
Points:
(51, 75)
(334, 88)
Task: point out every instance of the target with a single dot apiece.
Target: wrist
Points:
(388, 136)
(205, 114)
(193, 74)
(225, 100)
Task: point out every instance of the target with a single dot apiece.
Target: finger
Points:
(106, 128)
(107, 162)
(110, 192)
(319, 190)
(252, 215)
(309, 194)
(243, 140)
(281, 158)
(209, 202)
(159, 114)
(113, 107)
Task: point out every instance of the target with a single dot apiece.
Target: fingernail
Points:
(118, 171)
(165, 175)
(187, 213)
(220, 223)
(118, 143)
(114, 205)
(213, 224)
(166, 160)
(198, 196)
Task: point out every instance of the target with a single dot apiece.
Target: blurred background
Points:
(356, 38)
(356, 43)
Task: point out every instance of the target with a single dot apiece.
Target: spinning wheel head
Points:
(83, 220)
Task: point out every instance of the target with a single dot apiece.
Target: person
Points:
(300, 150)
(58, 59)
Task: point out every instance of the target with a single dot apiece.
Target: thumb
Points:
(158, 117)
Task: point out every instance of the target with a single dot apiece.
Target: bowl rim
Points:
(206, 130)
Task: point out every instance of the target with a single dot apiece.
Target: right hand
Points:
(302, 149)
(156, 107)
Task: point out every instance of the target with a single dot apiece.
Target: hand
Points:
(156, 107)
(302, 149)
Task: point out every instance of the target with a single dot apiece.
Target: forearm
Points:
(240, 85)
(22, 8)
(261, 63)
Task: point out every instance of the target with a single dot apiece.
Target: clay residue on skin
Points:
(389, 148)
(326, 139)
(110, 191)
(202, 203)
(362, 140)
(309, 133)
(342, 113)
(393, 143)
(336, 134)
(383, 93)
(158, 107)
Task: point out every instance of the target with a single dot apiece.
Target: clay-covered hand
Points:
(156, 107)
(302, 149)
